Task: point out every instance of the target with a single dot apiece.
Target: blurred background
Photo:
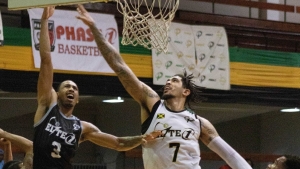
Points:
(264, 79)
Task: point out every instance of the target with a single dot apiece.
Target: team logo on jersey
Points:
(160, 116)
(169, 131)
(76, 126)
(188, 118)
(70, 139)
(54, 128)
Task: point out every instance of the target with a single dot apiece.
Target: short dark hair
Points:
(188, 83)
(292, 162)
(59, 85)
(14, 164)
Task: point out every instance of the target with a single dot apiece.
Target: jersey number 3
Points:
(56, 150)
(176, 145)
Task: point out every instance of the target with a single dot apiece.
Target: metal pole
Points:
(250, 12)
(284, 12)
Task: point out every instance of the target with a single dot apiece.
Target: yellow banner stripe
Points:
(16, 58)
(21, 58)
(244, 74)
(264, 75)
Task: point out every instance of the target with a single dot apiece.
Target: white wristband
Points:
(228, 154)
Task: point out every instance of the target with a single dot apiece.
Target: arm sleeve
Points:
(228, 154)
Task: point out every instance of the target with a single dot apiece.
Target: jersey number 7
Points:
(176, 145)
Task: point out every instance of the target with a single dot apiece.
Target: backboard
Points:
(26, 4)
(147, 29)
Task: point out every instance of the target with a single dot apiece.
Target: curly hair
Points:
(189, 83)
(292, 162)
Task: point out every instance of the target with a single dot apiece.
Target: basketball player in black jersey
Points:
(167, 151)
(57, 132)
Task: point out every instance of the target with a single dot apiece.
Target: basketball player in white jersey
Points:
(57, 132)
(178, 145)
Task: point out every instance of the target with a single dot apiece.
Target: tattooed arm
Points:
(210, 137)
(208, 131)
(141, 92)
(93, 134)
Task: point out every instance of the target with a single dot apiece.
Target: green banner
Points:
(21, 37)
(264, 57)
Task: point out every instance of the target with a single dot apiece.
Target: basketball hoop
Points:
(146, 26)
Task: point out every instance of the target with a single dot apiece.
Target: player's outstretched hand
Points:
(48, 12)
(84, 16)
(152, 136)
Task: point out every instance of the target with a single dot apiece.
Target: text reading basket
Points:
(147, 24)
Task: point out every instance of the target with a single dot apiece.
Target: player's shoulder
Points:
(88, 127)
(202, 119)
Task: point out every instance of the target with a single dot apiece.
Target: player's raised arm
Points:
(142, 93)
(45, 80)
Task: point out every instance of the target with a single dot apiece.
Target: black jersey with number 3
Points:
(55, 140)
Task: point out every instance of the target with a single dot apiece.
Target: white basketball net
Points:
(149, 27)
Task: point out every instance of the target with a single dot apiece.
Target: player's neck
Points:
(68, 112)
(175, 104)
